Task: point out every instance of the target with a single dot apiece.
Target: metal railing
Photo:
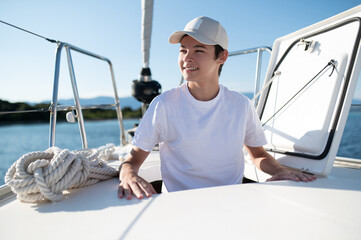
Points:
(54, 104)
(54, 107)
(259, 51)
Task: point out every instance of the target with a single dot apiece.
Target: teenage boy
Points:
(201, 126)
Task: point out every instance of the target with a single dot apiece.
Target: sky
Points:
(112, 28)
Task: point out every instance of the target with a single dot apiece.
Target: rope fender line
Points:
(38, 176)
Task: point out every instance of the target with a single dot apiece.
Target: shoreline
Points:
(60, 121)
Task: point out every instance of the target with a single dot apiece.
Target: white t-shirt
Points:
(201, 142)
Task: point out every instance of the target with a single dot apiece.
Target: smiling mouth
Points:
(191, 69)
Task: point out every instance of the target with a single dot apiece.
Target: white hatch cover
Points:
(314, 72)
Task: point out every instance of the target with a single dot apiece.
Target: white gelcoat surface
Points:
(328, 208)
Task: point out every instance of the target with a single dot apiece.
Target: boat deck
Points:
(324, 209)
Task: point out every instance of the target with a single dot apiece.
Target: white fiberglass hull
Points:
(328, 208)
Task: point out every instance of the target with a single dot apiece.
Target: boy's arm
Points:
(266, 163)
(130, 181)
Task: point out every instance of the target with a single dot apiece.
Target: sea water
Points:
(17, 140)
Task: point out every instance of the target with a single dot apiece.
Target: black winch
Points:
(145, 89)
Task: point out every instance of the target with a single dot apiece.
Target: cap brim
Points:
(177, 37)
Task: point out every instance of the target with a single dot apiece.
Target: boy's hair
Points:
(217, 51)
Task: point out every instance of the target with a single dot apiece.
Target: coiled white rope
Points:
(45, 175)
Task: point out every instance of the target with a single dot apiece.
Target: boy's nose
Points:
(188, 57)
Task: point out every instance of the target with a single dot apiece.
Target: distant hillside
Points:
(39, 112)
(130, 102)
(356, 101)
(248, 94)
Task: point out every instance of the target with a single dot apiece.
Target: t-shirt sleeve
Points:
(148, 133)
(255, 136)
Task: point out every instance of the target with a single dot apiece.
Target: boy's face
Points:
(197, 61)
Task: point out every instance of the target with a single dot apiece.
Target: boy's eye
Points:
(199, 51)
(182, 51)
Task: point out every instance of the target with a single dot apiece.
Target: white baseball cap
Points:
(205, 30)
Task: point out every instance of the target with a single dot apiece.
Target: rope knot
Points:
(45, 175)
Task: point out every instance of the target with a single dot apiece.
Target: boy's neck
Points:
(203, 92)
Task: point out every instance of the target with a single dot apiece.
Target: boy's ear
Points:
(223, 56)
